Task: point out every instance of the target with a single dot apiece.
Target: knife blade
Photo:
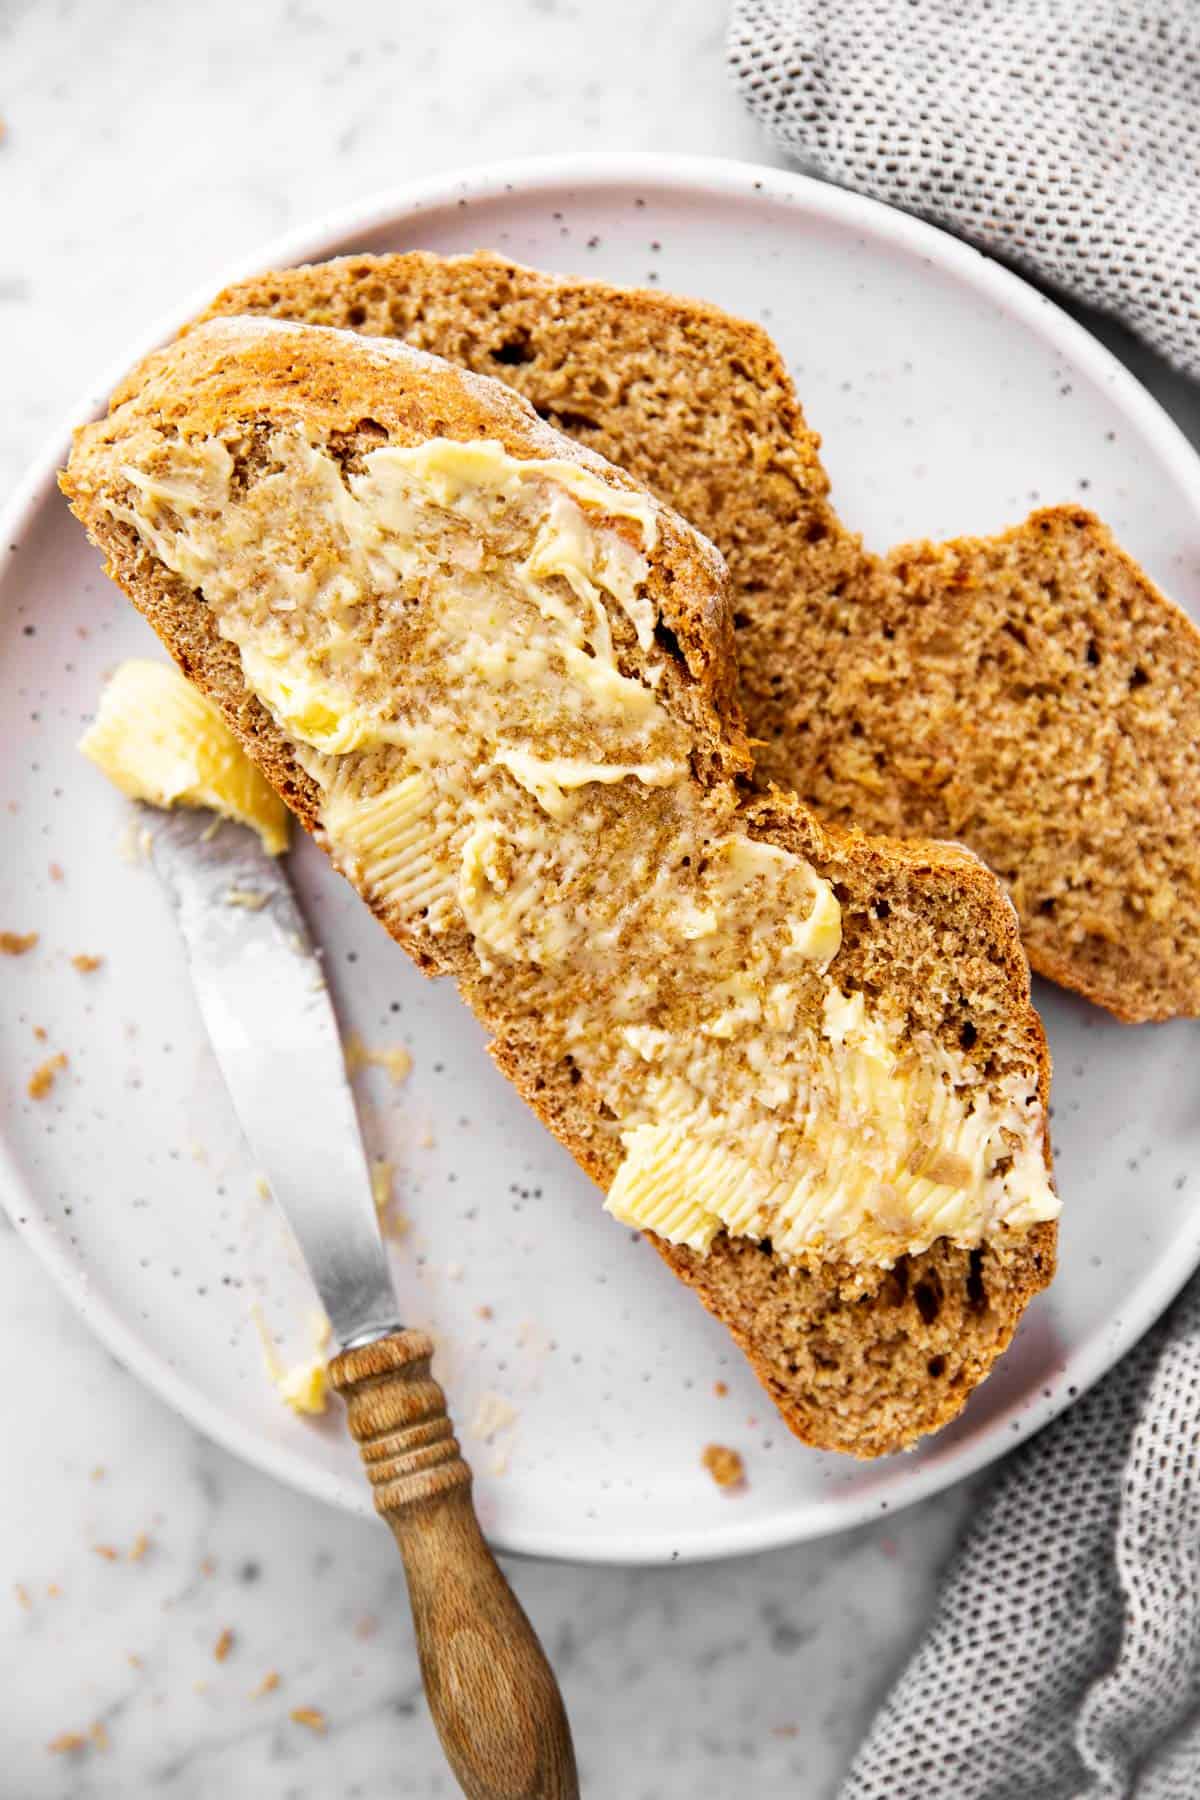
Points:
(265, 1003)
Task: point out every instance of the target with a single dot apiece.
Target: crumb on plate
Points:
(85, 963)
(312, 1716)
(223, 1645)
(42, 1079)
(267, 1685)
(724, 1465)
(66, 1743)
(17, 943)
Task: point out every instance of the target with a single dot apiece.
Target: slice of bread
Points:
(944, 691)
(1036, 697)
(496, 681)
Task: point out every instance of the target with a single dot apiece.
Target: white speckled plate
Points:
(951, 398)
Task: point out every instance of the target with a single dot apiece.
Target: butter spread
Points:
(446, 633)
(160, 740)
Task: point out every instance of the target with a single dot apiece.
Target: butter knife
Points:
(264, 1001)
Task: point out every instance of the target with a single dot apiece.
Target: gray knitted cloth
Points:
(1061, 135)
(1064, 1658)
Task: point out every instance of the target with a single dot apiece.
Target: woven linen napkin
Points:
(1060, 135)
(1063, 1661)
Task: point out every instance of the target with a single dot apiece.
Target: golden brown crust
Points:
(699, 407)
(857, 1359)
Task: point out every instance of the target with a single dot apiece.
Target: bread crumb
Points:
(426, 1140)
(52, 1590)
(16, 943)
(492, 1416)
(22, 1593)
(720, 1389)
(725, 1466)
(262, 1187)
(56, 872)
(139, 1547)
(395, 1060)
(267, 1685)
(484, 1312)
(106, 1551)
(42, 1079)
(312, 1716)
(99, 1735)
(133, 1659)
(223, 1645)
(66, 1742)
(85, 963)
(40, 1033)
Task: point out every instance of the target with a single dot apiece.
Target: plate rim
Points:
(706, 178)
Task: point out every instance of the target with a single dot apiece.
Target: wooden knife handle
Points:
(493, 1695)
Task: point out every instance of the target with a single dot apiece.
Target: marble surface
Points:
(146, 147)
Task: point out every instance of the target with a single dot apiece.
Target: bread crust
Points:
(858, 1360)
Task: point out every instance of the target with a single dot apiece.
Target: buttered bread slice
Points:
(1032, 695)
(494, 677)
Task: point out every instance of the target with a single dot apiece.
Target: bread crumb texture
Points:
(725, 1466)
(310, 1716)
(45, 1075)
(496, 680)
(1031, 695)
